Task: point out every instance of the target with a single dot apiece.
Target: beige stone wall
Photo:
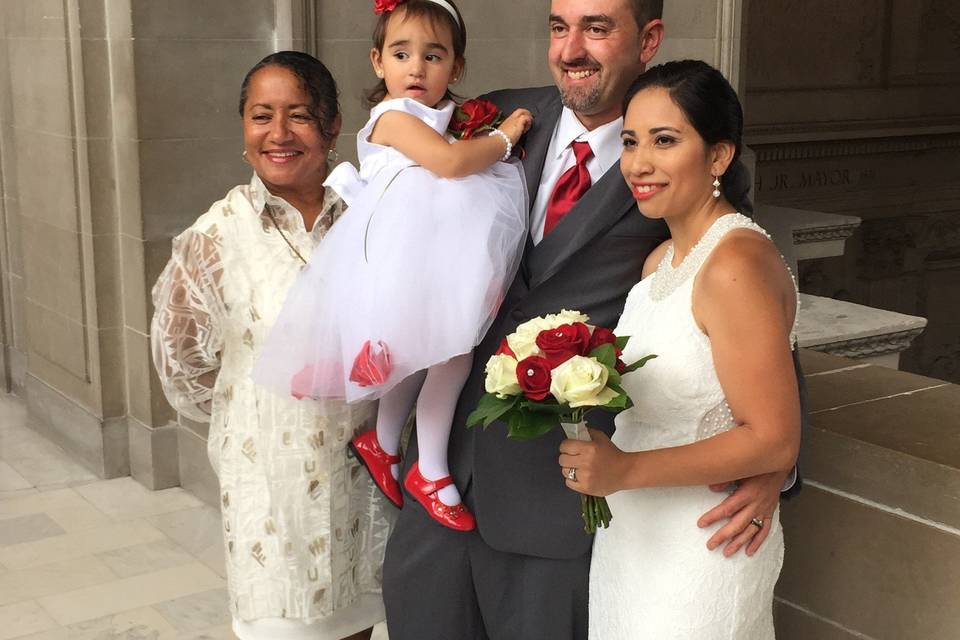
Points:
(854, 108)
(118, 127)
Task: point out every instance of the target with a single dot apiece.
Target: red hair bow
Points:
(380, 6)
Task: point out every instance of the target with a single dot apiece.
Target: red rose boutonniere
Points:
(473, 117)
(381, 6)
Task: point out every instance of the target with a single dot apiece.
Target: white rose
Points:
(566, 317)
(523, 341)
(581, 382)
(502, 376)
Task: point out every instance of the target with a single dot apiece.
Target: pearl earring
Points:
(333, 155)
(716, 187)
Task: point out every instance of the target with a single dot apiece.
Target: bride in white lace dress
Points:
(717, 305)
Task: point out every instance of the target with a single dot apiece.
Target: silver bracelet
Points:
(506, 138)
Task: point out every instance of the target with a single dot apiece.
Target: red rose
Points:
(372, 365)
(601, 335)
(564, 342)
(473, 116)
(505, 350)
(379, 6)
(533, 375)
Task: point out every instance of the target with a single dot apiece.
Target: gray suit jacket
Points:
(588, 262)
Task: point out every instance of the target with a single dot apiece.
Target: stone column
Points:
(118, 126)
(63, 319)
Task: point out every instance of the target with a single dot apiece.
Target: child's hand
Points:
(517, 124)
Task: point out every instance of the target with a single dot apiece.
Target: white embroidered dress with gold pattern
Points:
(303, 528)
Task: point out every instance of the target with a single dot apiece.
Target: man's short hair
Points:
(646, 10)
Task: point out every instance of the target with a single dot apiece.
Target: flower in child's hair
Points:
(581, 382)
(504, 349)
(379, 6)
(502, 376)
(533, 376)
(474, 116)
(372, 365)
(563, 342)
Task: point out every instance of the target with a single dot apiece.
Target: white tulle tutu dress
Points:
(411, 275)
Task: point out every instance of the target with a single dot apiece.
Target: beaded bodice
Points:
(677, 396)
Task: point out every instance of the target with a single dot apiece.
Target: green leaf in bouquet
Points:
(619, 403)
(613, 376)
(622, 342)
(639, 363)
(527, 425)
(605, 354)
(491, 408)
(544, 407)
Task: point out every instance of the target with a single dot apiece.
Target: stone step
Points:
(873, 540)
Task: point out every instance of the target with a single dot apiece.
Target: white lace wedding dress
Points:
(652, 576)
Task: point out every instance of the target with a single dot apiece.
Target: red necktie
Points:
(570, 187)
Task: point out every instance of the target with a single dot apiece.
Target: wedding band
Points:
(572, 474)
(758, 522)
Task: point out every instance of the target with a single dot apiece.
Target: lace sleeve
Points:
(186, 334)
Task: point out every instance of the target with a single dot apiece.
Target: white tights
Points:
(436, 391)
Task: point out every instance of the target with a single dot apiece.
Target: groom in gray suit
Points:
(524, 572)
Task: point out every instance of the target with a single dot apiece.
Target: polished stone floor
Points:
(89, 559)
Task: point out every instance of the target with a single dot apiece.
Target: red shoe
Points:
(457, 517)
(368, 451)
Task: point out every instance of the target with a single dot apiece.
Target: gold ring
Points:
(758, 522)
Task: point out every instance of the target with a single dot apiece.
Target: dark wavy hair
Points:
(711, 105)
(314, 78)
(439, 18)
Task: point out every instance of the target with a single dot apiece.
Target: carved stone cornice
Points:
(824, 234)
(792, 150)
(870, 346)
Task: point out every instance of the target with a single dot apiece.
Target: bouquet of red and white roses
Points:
(547, 374)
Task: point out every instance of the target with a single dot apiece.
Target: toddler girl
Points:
(406, 284)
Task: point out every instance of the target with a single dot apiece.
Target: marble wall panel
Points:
(45, 179)
(40, 74)
(52, 268)
(104, 216)
(789, 48)
(58, 342)
(93, 22)
(189, 89)
(96, 88)
(207, 20)
(34, 18)
(110, 371)
(924, 40)
(108, 273)
(180, 179)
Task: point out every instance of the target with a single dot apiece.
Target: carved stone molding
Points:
(870, 346)
(824, 234)
(775, 152)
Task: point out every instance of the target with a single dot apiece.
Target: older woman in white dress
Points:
(304, 530)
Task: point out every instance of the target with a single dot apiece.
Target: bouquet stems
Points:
(594, 509)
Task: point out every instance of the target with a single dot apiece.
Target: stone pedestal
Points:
(855, 331)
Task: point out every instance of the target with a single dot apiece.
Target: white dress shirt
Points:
(606, 146)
